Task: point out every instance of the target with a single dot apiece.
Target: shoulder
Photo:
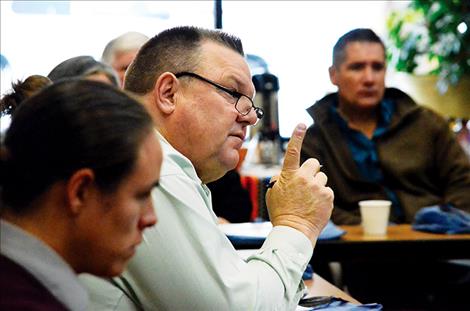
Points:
(20, 290)
(408, 111)
(320, 109)
(104, 295)
(431, 119)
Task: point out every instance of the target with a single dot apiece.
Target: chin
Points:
(117, 264)
(116, 269)
(228, 158)
(369, 104)
(231, 163)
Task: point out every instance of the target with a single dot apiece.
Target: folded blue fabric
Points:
(331, 232)
(308, 273)
(336, 303)
(442, 219)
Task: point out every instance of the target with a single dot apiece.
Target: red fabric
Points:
(251, 184)
(254, 197)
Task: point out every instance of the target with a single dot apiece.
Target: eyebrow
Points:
(145, 191)
(152, 186)
(155, 184)
(364, 63)
(238, 84)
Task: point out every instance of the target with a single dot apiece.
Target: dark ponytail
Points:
(65, 127)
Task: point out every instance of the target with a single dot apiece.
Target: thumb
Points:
(292, 157)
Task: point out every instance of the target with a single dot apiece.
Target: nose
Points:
(250, 118)
(368, 75)
(148, 217)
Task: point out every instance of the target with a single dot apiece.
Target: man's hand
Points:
(299, 198)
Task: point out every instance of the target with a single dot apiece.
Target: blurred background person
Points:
(377, 143)
(18, 93)
(84, 67)
(75, 194)
(120, 52)
(21, 91)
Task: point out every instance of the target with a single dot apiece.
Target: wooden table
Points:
(318, 286)
(400, 243)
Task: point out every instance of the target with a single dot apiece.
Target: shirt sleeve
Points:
(187, 263)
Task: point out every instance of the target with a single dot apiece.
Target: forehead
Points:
(124, 56)
(225, 65)
(364, 52)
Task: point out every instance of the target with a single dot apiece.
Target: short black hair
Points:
(355, 35)
(173, 50)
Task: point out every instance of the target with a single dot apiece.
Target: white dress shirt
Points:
(187, 263)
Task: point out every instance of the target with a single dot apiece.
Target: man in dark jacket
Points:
(377, 143)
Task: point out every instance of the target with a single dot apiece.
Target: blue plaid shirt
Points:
(364, 150)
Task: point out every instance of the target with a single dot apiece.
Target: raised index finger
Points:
(292, 158)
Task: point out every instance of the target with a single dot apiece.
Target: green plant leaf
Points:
(429, 28)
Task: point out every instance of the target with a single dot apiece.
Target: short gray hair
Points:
(128, 41)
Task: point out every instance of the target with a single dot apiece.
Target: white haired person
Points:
(120, 52)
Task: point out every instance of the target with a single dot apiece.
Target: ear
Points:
(332, 72)
(164, 92)
(80, 187)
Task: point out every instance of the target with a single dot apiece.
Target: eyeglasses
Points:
(243, 104)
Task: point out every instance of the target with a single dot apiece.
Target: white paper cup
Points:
(374, 214)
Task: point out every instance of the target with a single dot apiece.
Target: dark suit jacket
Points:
(20, 290)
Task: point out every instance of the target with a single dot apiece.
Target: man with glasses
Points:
(197, 86)
(243, 104)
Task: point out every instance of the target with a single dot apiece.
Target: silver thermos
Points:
(269, 140)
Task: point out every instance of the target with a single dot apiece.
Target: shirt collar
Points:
(183, 162)
(44, 264)
(387, 108)
(186, 165)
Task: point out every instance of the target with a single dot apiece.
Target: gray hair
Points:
(81, 67)
(128, 41)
